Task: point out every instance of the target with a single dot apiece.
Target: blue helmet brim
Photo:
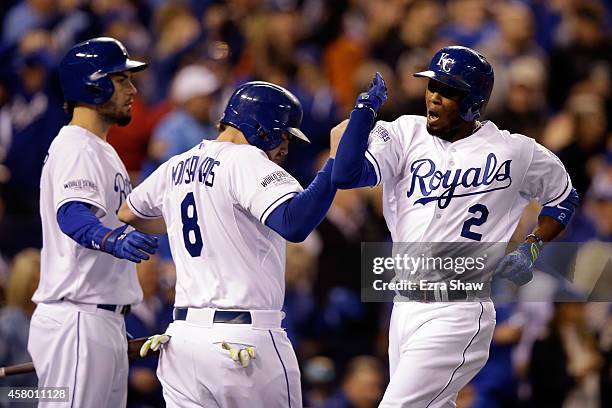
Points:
(129, 65)
(445, 79)
(297, 133)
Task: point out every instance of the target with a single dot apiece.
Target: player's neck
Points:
(89, 119)
(232, 135)
(465, 130)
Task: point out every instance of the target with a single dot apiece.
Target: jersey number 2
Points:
(477, 221)
(192, 237)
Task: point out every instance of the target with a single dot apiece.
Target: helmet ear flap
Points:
(471, 109)
(474, 110)
(267, 139)
(248, 130)
(261, 132)
(100, 91)
(256, 134)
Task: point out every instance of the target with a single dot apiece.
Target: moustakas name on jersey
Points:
(474, 189)
(215, 199)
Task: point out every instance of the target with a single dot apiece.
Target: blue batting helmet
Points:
(84, 70)
(262, 112)
(464, 69)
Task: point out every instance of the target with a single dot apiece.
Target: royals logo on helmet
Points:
(446, 63)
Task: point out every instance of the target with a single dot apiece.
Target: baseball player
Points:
(449, 177)
(88, 279)
(228, 205)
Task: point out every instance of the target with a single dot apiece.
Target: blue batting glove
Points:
(376, 95)
(133, 246)
(518, 265)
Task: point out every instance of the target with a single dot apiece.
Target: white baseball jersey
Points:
(80, 166)
(215, 199)
(474, 189)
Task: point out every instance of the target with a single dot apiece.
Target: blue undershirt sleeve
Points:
(564, 211)
(296, 218)
(76, 220)
(351, 168)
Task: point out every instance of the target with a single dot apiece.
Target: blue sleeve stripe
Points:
(275, 203)
(134, 209)
(564, 210)
(567, 186)
(372, 160)
(559, 215)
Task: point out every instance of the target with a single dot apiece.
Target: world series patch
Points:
(382, 133)
(276, 178)
(80, 184)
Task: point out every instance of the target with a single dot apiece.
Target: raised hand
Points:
(375, 96)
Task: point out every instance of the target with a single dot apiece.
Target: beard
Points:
(278, 159)
(275, 157)
(444, 134)
(112, 114)
(123, 119)
(447, 132)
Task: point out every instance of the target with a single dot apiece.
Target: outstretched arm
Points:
(299, 216)
(76, 220)
(352, 169)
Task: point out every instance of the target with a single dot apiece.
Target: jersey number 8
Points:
(192, 237)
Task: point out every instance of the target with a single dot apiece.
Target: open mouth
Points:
(432, 117)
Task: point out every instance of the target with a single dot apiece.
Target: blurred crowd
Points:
(552, 61)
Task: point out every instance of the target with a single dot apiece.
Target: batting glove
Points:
(376, 95)
(133, 246)
(154, 343)
(242, 355)
(518, 266)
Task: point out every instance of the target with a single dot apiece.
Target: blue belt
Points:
(123, 309)
(221, 316)
(429, 295)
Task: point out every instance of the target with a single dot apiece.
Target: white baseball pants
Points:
(195, 370)
(83, 348)
(435, 349)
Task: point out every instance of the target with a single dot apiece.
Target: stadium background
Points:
(552, 63)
